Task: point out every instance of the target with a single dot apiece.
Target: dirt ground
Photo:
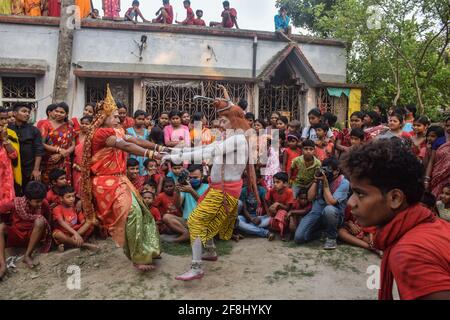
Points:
(250, 269)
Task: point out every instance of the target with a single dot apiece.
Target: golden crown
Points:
(109, 105)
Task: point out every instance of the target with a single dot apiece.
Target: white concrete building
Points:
(177, 63)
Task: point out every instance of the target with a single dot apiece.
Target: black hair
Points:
(358, 114)
(35, 190)
(332, 162)
(164, 112)
(173, 164)
(423, 120)
(264, 123)
(284, 119)
(283, 8)
(198, 116)
(226, 3)
(412, 108)
(399, 116)
(3, 110)
(447, 119)
(55, 174)
(428, 199)
(165, 1)
(50, 108)
(308, 143)
(387, 164)
(330, 118)
(323, 126)
(174, 113)
(187, 1)
(376, 119)
(282, 176)
(168, 180)
(88, 118)
(446, 186)
(132, 162)
(147, 192)
(121, 105)
(64, 190)
(135, 2)
(250, 116)
(292, 135)
(440, 132)
(198, 11)
(18, 105)
(277, 113)
(147, 161)
(64, 106)
(400, 110)
(315, 112)
(243, 104)
(139, 113)
(195, 167)
(358, 133)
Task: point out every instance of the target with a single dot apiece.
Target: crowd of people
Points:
(301, 189)
(112, 9)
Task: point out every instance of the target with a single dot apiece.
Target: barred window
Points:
(17, 89)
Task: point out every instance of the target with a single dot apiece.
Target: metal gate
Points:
(287, 100)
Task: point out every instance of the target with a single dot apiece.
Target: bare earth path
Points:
(250, 269)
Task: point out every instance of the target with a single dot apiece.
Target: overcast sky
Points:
(252, 14)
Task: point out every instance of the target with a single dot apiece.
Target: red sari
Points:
(54, 8)
(78, 157)
(62, 137)
(6, 174)
(440, 174)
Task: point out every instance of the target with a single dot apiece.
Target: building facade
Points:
(159, 67)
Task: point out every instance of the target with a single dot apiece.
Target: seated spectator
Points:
(94, 14)
(29, 226)
(153, 176)
(279, 201)
(164, 14)
(149, 198)
(324, 145)
(291, 152)
(229, 17)
(343, 140)
(133, 174)
(199, 21)
(300, 208)
(57, 179)
(356, 137)
(352, 233)
(71, 228)
(176, 170)
(282, 22)
(166, 202)
(443, 204)
(303, 168)
(189, 14)
(294, 126)
(328, 193)
(134, 12)
(330, 120)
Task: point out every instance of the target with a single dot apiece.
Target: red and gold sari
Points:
(62, 137)
(119, 206)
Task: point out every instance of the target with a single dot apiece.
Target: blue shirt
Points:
(189, 202)
(140, 159)
(281, 23)
(173, 176)
(340, 195)
(250, 200)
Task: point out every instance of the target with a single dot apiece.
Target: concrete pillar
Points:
(67, 25)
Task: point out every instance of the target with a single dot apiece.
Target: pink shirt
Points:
(177, 135)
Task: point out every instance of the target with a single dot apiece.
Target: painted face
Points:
(23, 114)
(419, 128)
(356, 122)
(355, 141)
(113, 121)
(177, 170)
(84, 125)
(394, 124)
(313, 120)
(278, 184)
(88, 111)
(445, 196)
(148, 199)
(169, 188)
(132, 172)
(164, 119)
(308, 152)
(122, 114)
(59, 114)
(368, 204)
(175, 121)
(68, 199)
(139, 121)
(61, 181)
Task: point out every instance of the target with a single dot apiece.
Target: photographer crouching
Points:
(329, 193)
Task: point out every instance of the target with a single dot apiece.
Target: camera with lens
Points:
(323, 171)
(183, 177)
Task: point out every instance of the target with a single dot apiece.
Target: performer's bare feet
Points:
(195, 272)
(144, 267)
(30, 262)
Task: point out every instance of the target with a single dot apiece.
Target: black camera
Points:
(319, 172)
(183, 177)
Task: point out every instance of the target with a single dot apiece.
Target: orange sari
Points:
(85, 8)
(118, 204)
(33, 8)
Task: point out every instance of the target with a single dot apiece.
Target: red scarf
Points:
(388, 235)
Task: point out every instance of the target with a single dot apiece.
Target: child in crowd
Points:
(189, 14)
(443, 205)
(58, 180)
(343, 140)
(150, 187)
(176, 134)
(419, 139)
(71, 228)
(164, 14)
(356, 137)
(133, 174)
(149, 198)
(153, 176)
(330, 120)
(291, 151)
(199, 21)
(324, 145)
(279, 201)
(305, 166)
(309, 132)
(139, 131)
(134, 12)
(175, 172)
(11, 118)
(300, 208)
(294, 127)
(429, 201)
(166, 203)
(29, 225)
(125, 121)
(250, 117)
